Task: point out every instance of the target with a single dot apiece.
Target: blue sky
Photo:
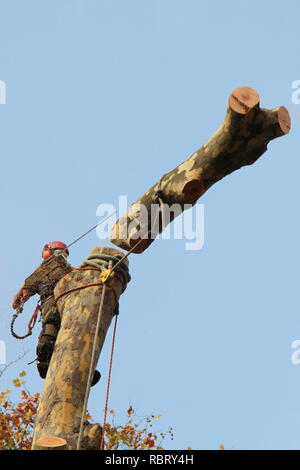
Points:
(102, 98)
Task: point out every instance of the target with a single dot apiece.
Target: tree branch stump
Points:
(241, 140)
(78, 297)
(51, 443)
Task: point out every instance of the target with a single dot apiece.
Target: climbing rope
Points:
(104, 264)
(105, 275)
(91, 229)
(115, 325)
(143, 238)
(157, 196)
(108, 382)
(89, 381)
(94, 284)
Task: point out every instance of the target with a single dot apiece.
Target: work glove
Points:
(21, 296)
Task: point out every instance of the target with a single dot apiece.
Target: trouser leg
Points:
(47, 338)
(46, 342)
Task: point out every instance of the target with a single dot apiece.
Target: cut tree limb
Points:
(241, 140)
(51, 443)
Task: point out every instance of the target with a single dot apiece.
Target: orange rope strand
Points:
(108, 383)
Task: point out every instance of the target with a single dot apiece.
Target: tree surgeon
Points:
(42, 282)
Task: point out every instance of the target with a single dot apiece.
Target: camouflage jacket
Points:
(44, 279)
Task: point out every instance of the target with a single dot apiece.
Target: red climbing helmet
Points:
(51, 246)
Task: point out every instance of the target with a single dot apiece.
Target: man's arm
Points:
(22, 296)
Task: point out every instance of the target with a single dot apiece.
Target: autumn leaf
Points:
(16, 382)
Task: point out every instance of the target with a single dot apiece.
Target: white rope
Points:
(89, 380)
(88, 386)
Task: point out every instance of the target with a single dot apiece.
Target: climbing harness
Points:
(31, 323)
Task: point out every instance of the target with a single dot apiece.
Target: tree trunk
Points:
(78, 297)
(241, 140)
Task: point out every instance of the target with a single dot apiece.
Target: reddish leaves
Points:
(17, 421)
(134, 435)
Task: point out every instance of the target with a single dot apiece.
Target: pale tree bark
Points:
(241, 140)
(61, 404)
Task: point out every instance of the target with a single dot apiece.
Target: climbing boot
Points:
(96, 378)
